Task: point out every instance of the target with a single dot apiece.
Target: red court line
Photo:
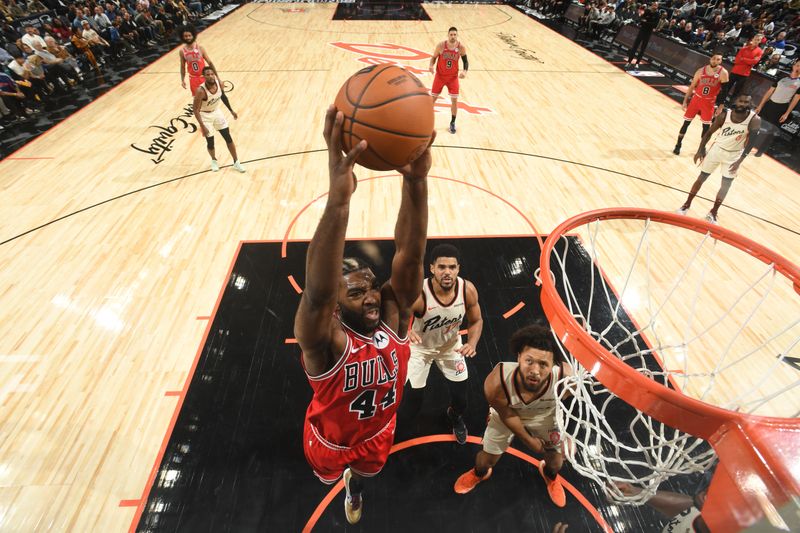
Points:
(337, 488)
(160, 456)
(296, 287)
(202, 318)
(172, 393)
(290, 341)
(29, 158)
(504, 200)
(128, 503)
(513, 310)
(622, 63)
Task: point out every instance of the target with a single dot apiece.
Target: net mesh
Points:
(689, 312)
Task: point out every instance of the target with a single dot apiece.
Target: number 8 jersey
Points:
(360, 395)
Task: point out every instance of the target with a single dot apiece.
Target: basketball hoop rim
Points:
(659, 401)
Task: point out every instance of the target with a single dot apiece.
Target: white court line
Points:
(19, 358)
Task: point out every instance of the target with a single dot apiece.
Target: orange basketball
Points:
(390, 108)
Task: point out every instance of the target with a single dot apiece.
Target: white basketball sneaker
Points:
(352, 502)
(238, 166)
(214, 165)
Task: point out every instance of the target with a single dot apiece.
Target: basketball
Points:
(389, 108)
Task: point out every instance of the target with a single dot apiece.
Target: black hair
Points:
(452, 28)
(537, 336)
(190, 29)
(207, 68)
(445, 250)
(351, 264)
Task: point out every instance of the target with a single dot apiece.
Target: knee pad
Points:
(210, 142)
(226, 134)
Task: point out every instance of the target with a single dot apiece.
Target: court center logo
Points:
(399, 55)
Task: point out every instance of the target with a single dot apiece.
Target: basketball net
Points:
(705, 314)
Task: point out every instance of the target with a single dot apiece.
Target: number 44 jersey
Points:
(360, 395)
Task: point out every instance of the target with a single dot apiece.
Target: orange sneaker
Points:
(554, 488)
(469, 480)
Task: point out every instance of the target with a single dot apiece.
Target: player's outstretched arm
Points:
(314, 318)
(183, 71)
(410, 236)
(436, 52)
(496, 397)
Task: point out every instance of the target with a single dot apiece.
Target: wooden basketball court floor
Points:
(112, 263)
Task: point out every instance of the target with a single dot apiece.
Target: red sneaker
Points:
(554, 488)
(469, 480)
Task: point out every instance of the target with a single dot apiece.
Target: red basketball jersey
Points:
(709, 85)
(447, 63)
(194, 60)
(356, 398)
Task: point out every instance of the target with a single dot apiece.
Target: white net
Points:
(689, 312)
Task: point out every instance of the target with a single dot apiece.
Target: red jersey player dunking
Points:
(352, 329)
(445, 56)
(193, 58)
(705, 92)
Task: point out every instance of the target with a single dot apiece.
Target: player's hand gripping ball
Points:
(389, 108)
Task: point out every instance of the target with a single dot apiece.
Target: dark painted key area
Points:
(234, 461)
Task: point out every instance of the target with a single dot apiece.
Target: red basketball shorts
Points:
(195, 82)
(703, 106)
(439, 83)
(329, 460)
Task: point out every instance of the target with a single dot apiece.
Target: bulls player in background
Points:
(352, 329)
(446, 74)
(445, 301)
(194, 59)
(705, 92)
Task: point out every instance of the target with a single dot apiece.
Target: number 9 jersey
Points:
(351, 417)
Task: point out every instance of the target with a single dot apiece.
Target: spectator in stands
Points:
(603, 23)
(13, 98)
(771, 65)
(57, 70)
(717, 24)
(719, 10)
(60, 31)
(685, 34)
(671, 28)
(748, 30)
(733, 33)
(646, 27)
(748, 56)
(144, 19)
(168, 21)
(111, 11)
(101, 22)
(96, 43)
(663, 22)
(591, 11)
(779, 44)
(83, 48)
(31, 36)
(698, 36)
(35, 6)
(733, 15)
(63, 54)
(687, 9)
(15, 10)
